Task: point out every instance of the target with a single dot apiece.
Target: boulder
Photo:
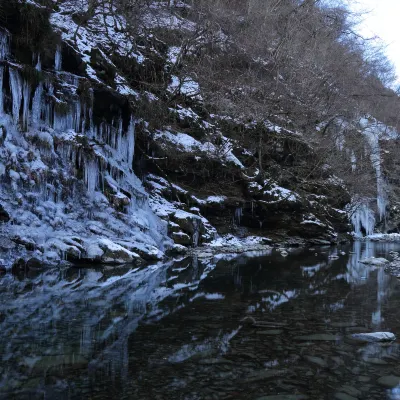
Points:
(115, 253)
(389, 381)
(181, 238)
(94, 252)
(374, 337)
(177, 249)
(29, 244)
(189, 223)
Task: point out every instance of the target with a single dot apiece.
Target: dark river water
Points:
(262, 327)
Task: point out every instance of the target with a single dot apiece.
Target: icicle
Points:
(353, 161)
(25, 110)
(4, 45)
(196, 233)
(1, 89)
(47, 107)
(91, 175)
(77, 117)
(38, 64)
(64, 122)
(120, 143)
(16, 92)
(37, 105)
(376, 160)
(363, 218)
(58, 59)
(238, 214)
(131, 143)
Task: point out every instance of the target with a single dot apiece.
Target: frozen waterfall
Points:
(363, 218)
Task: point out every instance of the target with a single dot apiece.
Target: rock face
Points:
(87, 175)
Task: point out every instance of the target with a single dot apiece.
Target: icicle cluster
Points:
(363, 218)
(41, 109)
(4, 52)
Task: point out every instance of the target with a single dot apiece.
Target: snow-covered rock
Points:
(376, 262)
(374, 337)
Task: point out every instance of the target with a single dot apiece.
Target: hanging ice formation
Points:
(381, 198)
(58, 59)
(4, 45)
(44, 111)
(364, 217)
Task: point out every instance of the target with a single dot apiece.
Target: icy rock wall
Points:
(67, 181)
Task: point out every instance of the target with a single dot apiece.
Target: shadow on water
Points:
(245, 328)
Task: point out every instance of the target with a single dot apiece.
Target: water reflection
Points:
(359, 274)
(234, 328)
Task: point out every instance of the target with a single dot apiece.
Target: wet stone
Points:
(318, 337)
(352, 391)
(344, 396)
(317, 361)
(270, 332)
(263, 375)
(214, 361)
(375, 361)
(343, 324)
(389, 381)
(283, 397)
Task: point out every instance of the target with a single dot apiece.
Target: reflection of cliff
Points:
(80, 317)
(358, 273)
(176, 325)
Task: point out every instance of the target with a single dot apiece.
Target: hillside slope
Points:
(107, 155)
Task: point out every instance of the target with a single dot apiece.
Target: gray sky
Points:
(382, 20)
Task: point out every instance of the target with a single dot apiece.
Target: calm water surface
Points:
(246, 328)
